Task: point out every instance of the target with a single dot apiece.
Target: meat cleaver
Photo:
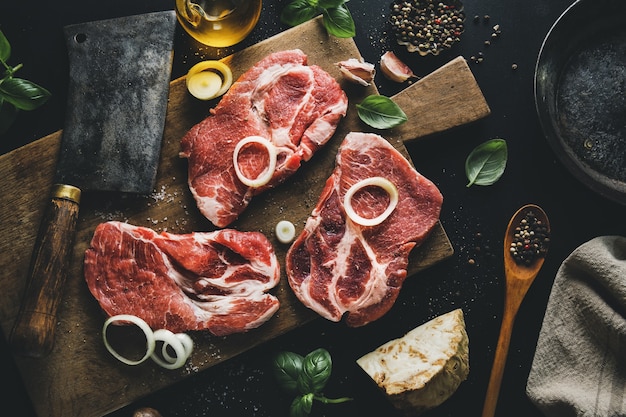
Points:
(120, 71)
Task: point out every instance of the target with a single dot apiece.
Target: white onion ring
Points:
(204, 85)
(225, 74)
(266, 176)
(381, 182)
(187, 343)
(170, 339)
(150, 340)
(285, 231)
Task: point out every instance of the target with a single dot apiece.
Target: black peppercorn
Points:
(531, 240)
(434, 25)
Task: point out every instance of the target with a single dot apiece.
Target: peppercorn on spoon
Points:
(520, 271)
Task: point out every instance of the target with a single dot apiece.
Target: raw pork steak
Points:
(215, 281)
(337, 266)
(295, 106)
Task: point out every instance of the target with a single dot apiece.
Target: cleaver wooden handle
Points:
(34, 328)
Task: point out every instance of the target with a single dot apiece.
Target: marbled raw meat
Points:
(216, 281)
(337, 267)
(295, 106)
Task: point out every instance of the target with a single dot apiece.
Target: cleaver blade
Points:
(117, 98)
(118, 89)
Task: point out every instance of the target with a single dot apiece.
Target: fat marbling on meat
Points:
(216, 281)
(295, 106)
(337, 267)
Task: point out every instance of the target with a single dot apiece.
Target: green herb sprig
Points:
(380, 112)
(335, 15)
(486, 163)
(16, 93)
(305, 377)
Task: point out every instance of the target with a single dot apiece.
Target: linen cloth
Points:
(579, 367)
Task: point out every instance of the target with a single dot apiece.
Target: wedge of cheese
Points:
(422, 369)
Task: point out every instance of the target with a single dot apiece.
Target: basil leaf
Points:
(380, 112)
(297, 12)
(8, 114)
(316, 369)
(5, 48)
(330, 4)
(23, 94)
(287, 366)
(301, 406)
(338, 22)
(486, 163)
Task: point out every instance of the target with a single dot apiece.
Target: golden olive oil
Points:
(218, 23)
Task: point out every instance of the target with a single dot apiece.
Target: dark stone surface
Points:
(474, 218)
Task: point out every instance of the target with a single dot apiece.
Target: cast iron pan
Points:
(580, 93)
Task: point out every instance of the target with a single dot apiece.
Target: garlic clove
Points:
(394, 69)
(357, 71)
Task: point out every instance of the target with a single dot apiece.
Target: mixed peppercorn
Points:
(427, 26)
(531, 240)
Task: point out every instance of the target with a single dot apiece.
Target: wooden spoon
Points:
(519, 277)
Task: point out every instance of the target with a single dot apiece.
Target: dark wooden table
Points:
(474, 218)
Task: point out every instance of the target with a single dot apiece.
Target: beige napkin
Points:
(579, 368)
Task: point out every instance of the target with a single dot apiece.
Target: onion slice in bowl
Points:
(266, 176)
(381, 182)
(150, 340)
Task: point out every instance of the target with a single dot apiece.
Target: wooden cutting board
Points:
(79, 377)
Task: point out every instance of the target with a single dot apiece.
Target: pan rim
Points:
(546, 85)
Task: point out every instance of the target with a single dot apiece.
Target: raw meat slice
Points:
(338, 267)
(216, 281)
(295, 106)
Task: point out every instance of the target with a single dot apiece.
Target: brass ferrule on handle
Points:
(66, 192)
